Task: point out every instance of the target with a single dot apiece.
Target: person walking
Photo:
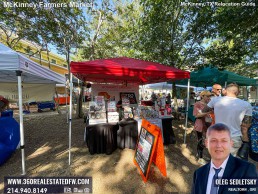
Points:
(200, 125)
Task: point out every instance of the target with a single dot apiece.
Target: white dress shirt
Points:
(212, 173)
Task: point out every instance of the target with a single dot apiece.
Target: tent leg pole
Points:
(187, 107)
(70, 117)
(18, 74)
(66, 106)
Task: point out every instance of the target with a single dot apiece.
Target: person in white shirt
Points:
(222, 165)
(236, 114)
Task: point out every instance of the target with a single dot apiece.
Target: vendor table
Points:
(127, 134)
(101, 138)
(168, 133)
(165, 125)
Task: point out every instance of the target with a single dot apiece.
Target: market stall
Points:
(123, 71)
(16, 69)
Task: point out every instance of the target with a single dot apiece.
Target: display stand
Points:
(149, 149)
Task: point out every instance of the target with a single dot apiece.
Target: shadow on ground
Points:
(46, 149)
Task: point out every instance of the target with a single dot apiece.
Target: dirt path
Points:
(46, 141)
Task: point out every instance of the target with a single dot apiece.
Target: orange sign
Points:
(149, 149)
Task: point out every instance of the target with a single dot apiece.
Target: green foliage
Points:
(188, 37)
(234, 44)
(63, 27)
(114, 29)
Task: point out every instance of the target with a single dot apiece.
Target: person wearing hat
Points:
(200, 125)
(4, 104)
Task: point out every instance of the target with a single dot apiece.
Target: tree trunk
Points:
(176, 113)
(40, 58)
(79, 112)
(49, 65)
(57, 103)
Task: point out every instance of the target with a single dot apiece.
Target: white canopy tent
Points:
(12, 61)
(168, 86)
(14, 67)
(164, 86)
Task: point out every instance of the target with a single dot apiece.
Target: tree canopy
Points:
(186, 35)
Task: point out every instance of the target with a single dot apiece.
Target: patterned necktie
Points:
(214, 188)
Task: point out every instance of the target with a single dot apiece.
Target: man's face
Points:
(217, 89)
(219, 145)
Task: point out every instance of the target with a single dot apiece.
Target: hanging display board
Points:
(149, 149)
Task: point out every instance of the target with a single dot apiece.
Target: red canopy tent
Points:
(126, 69)
(122, 70)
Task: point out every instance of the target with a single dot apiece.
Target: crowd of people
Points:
(223, 106)
(161, 97)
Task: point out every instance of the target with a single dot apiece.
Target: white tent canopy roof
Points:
(12, 61)
(163, 86)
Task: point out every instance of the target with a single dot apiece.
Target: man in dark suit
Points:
(223, 165)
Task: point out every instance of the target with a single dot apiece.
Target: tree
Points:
(15, 24)
(25, 23)
(114, 29)
(235, 45)
(63, 27)
(70, 31)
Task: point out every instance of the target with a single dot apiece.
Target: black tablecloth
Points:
(101, 138)
(127, 134)
(168, 133)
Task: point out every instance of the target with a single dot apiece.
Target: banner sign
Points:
(144, 149)
(149, 149)
(30, 92)
(25, 184)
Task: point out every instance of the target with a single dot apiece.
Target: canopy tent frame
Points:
(70, 117)
(123, 69)
(16, 68)
(19, 73)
